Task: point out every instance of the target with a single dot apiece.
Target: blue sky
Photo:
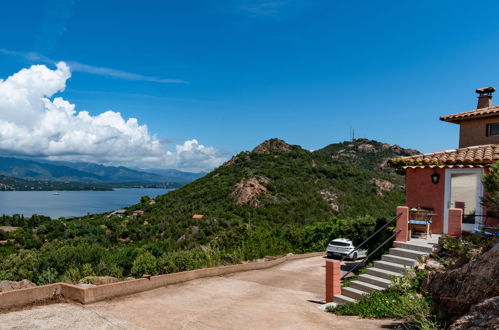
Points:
(233, 73)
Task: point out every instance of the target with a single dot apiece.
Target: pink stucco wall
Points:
(421, 192)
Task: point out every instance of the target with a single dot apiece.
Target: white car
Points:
(340, 247)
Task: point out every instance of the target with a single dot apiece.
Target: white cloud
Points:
(33, 123)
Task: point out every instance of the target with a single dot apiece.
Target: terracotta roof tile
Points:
(478, 113)
(483, 154)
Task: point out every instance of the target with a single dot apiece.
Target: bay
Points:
(71, 203)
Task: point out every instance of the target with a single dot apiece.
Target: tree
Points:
(491, 183)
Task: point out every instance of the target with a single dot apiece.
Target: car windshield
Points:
(339, 243)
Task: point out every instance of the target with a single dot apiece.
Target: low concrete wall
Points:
(107, 291)
(23, 297)
(57, 291)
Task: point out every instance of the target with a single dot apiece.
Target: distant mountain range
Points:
(88, 172)
(11, 183)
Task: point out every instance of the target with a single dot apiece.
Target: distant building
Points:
(117, 213)
(452, 179)
(198, 216)
(138, 213)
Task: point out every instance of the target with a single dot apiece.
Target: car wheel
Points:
(354, 256)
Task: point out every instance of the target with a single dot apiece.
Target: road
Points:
(283, 297)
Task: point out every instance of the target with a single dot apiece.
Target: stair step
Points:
(353, 292)
(376, 280)
(399, 260)
(428, 248)
(341, 299)
(386, 274)
(398, 268)
(365, 286)
(407, 253)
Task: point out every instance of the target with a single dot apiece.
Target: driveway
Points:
(283, 297)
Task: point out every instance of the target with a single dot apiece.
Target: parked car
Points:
(340, 247)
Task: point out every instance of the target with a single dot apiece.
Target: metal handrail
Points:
(370, 254)
(377, 231)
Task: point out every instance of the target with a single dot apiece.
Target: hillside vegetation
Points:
(279, 198)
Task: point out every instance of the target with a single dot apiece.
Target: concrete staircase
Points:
(377, 278)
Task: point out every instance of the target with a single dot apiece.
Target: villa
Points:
(448, 184)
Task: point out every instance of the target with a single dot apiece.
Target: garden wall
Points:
(62, 291)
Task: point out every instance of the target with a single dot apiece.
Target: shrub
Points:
(179, 261)
(400, 301)
(145, 263)
(71, 275)
(47, 276)
(20, 266)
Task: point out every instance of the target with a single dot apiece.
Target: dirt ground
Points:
(283, 297)
(59, 317)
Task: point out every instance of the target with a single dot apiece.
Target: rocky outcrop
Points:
(331, 198)
(367, 148)
(13, 285)
(455, 291)
(382, 186)
(272, 146)
(247, 191)
(484, 315)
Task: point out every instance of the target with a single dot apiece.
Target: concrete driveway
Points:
(283, 297)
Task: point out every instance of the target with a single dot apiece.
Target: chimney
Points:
(485, 97)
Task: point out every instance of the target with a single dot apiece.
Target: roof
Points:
(483, 154)
(477, 113)
(198, 216)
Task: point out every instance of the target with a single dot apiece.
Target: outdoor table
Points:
(420, 219)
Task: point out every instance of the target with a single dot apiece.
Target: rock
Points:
(382, 186)
(247, 191)
(13, 285)
(231, 161)
(367, 148)
(194, 230)
(420, 266)
(484, 315)
(331, 198)
(272, 146)
(455, 291)
(182, 238)
(432, 264)
(383, 164)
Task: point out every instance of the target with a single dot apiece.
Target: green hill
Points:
(276, 199)
(284, 183)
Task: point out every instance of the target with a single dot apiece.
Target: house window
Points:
(493, 129)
